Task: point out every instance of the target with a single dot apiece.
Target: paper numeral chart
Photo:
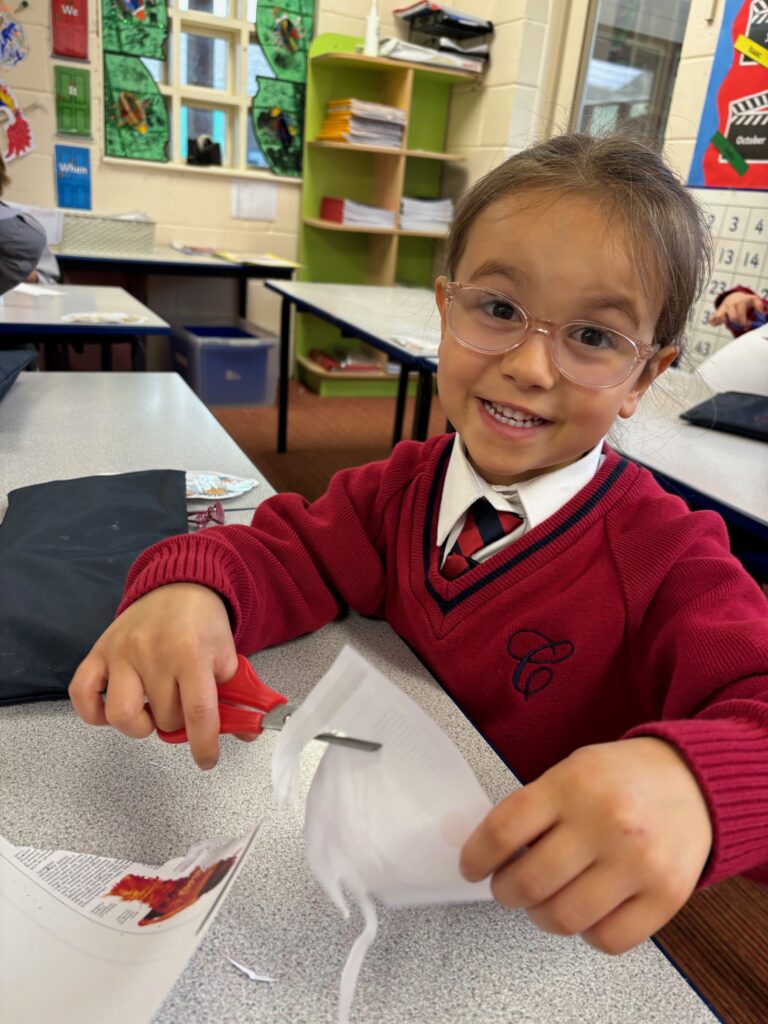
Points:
(739, 225)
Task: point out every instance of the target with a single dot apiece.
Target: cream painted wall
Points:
(699, 46)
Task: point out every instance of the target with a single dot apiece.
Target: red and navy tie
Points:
(483, 525)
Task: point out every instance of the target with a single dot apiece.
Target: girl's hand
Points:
(737, 308)
(159, 663)
(607, 844)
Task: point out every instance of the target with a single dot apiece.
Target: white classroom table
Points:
(402, 322)
(165, 261)
(727, 470)
(47, 315)
(66, 786)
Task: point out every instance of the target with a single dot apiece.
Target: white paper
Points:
(73, 953)
(254, 200)
(26, 288)
(388, 824)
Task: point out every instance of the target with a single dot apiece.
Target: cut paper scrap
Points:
(752, 50)
(399, 816)
(18, 133)
(731, 154)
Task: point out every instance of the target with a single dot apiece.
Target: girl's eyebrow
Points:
(623, 303)
(498, 268)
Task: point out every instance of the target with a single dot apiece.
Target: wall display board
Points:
(135, 115)
(732, 144)
(739, 224)
(277, 111)
(73, 100)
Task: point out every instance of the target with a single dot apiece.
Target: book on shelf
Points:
(347, 211)
(363, 123)
(399, 49)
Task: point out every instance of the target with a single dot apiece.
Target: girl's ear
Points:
(656, 366)
(440, 284)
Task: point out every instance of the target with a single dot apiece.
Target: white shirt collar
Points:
(539, 498)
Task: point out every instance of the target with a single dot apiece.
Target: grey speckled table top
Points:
(66, 786)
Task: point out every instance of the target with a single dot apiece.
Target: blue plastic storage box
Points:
(227, 364)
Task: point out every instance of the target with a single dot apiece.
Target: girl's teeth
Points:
(504, 414)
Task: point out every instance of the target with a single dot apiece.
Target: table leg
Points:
(402, 391)
(423, 405)
(242, 295)
(282, 384)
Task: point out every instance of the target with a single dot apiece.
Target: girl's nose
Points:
(530, 364)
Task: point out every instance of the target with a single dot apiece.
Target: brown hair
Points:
(5, 181)
(632, 184)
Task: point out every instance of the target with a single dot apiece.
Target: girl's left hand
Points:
(607, 844)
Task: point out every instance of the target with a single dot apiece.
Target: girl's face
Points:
(561, 260)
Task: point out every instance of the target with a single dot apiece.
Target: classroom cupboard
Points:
(374, 175)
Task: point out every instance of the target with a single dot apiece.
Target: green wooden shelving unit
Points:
(379, 176)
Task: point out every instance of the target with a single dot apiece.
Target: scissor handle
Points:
(244, 699)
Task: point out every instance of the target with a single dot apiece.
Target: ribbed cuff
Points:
(194, 558)
(729, 758)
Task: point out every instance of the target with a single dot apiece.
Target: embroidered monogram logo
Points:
(534, 653)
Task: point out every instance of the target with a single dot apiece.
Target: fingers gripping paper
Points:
(388, 824)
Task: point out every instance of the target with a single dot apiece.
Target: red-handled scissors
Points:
(247, 706)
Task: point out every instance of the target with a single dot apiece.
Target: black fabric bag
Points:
(65, 551)
(735, 412)
(12, 362)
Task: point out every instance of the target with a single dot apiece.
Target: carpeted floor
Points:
(324, 435)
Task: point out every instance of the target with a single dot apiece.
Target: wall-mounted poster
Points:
(732, 144)
(73, 177)
(277, 115)
(285, 33)
(69, 28)
(137, 27)
(13, 40)
(135, 116)
(73, 100)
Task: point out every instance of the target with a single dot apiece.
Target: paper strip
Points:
(752, 50)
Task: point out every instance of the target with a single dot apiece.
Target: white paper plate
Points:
(206, 485)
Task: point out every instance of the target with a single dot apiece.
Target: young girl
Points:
(598, 633)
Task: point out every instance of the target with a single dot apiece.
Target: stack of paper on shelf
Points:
(362, 123)
(431, 215)
(346, 211)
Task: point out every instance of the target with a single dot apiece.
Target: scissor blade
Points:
(277, 718)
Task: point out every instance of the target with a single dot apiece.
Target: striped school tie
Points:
(483, 525)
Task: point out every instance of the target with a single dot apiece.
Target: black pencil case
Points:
(735, 412)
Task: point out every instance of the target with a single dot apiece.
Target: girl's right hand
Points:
(737, 308)
(159, 663)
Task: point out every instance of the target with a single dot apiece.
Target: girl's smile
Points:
(558, 256)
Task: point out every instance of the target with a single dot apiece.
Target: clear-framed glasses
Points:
(586, 353)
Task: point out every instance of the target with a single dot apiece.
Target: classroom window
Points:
(629, 67)
(205, 80)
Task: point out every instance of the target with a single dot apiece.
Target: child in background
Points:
(20, 246)
(598, 633)
(740, 309)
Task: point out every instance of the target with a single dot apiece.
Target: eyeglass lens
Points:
(585, 352)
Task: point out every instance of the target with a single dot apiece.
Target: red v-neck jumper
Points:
(623, 614)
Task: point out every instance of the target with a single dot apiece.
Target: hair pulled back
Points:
(635, 188)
